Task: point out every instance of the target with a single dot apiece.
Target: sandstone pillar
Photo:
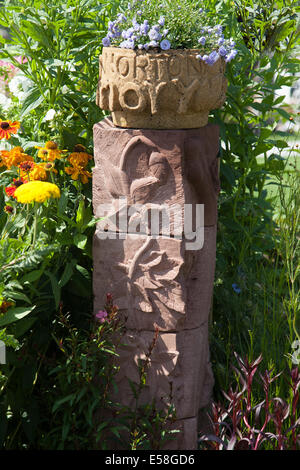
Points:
(158, 281)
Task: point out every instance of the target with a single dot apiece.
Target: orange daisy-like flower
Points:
(79, 159)
(76, 172)
(38, 173)
(7, 128)
(50, 152)
(26, 166)
(15, 156)
(10, 190)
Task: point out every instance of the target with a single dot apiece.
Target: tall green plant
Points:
(60, 42)
(249, 288)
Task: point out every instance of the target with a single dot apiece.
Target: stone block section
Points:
(160, 277)
(155, 282)
(172, 167)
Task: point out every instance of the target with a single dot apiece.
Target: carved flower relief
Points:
(150, 277)
(161, 370)
(136, 177)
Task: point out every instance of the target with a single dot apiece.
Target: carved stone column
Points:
(158, 282)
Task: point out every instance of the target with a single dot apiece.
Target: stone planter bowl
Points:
(159, 90)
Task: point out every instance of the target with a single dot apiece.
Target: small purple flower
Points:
(154, 35)
(219, 29)
(153, 44)
(231, 55)
(144, 28)
(135, 25)
(200, 10)
(202, 40)
(111, 25)
(128, 44)
(221, 41)
(106, 42)
(140, 46)
(165, 44)
(165, 32)
(204, 57)
(101, 316)
(139, 12)
(121, 17)
(161, 21)
(212, 58)
(222, 51)
(236, 288)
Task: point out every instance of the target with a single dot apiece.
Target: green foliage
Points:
(46, 257)
(61, 42)
(254, 157)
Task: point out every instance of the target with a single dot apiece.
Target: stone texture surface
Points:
(159, 90)
(156, 281)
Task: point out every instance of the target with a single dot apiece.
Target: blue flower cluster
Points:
(137, 35)
(214, 37)
(133, 31)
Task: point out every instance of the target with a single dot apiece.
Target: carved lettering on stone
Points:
(139, 82)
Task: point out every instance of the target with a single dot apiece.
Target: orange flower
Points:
(7, 128)
(15, 156)
(4, 306)
(77, 172)
(10, 190)
(38, 173)
(26, 166)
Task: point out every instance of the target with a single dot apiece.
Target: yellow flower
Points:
(36, 191)
(77, 172)
(50, 152)
(48, 166)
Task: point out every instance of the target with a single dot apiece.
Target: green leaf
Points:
(60, 402)
(67, 274)
(15, 314)
(80, 240)
(32, 276)
(55, 288)
(33, 99)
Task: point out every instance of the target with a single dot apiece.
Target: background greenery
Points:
(256, 295)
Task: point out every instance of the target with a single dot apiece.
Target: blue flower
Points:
(161, 21)
(202, 41)
(222, 51)
(219, 29)
(153, 44)
(231, 55)
(106, 42)
(221, 41)
(128, 44)
(236, 288)
(212, 58)
(165, 44)
(154, 35)
(144, 28)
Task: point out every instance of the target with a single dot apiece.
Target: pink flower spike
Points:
(101, 316)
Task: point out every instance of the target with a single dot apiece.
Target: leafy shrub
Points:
(244, 424)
